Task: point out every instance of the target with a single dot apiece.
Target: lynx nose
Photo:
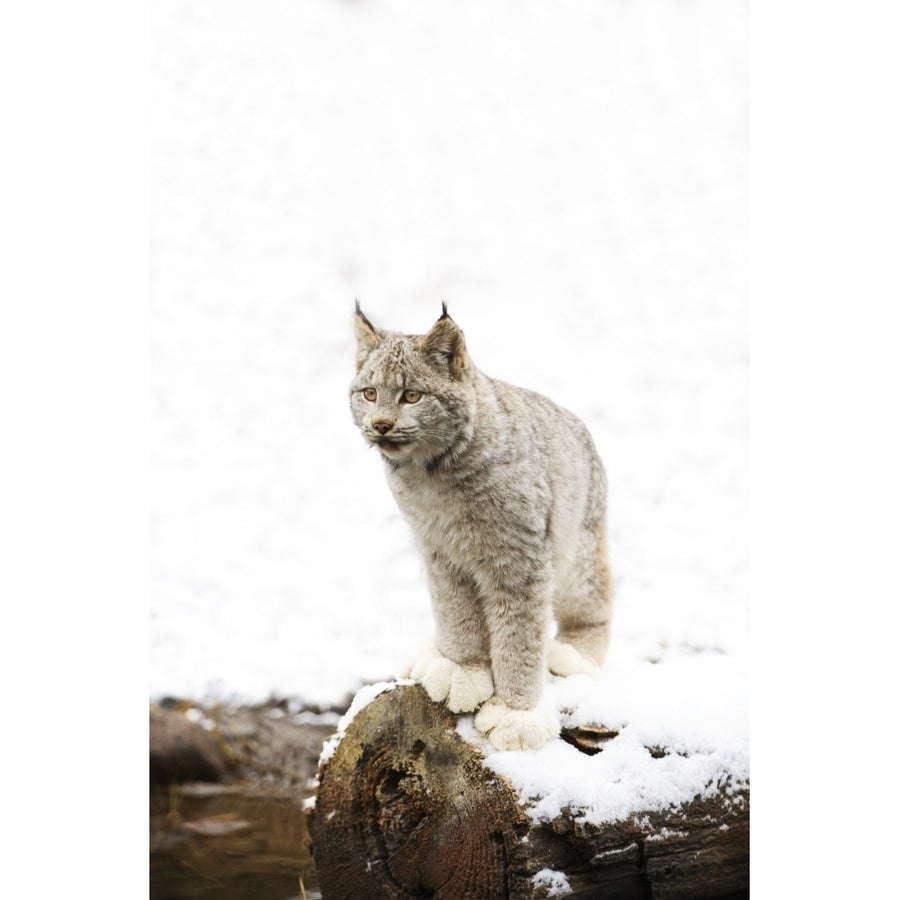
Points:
(382, 426)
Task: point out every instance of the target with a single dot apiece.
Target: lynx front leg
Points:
(515, 719)
(455, 670)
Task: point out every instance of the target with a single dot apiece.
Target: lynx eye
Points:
(411, 396)
(370, 394)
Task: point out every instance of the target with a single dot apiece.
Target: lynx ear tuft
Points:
(446, 344)
(367, 337)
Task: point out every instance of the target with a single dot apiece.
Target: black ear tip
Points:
(363, 318)
(358, 310)
(444, 314)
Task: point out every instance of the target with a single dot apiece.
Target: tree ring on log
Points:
(405, 809)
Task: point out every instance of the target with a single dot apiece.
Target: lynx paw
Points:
(516, 729)
(461, 688)
(564, 659)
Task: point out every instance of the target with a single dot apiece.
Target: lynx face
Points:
(405, 400)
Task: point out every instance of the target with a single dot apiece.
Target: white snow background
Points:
(571, 177)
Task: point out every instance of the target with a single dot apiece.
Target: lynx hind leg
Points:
(564, 659)
(462, 688)
(583, 614)
(516, 729)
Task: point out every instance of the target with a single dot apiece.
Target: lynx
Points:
(506, 497)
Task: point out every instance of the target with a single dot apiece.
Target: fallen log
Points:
(406, 808)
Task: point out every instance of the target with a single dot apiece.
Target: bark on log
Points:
(405, 809)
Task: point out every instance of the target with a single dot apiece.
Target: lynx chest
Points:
(479, 520)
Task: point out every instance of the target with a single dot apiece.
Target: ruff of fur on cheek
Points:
(432, 465)
(453, 443)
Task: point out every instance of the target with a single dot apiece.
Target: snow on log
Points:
(407, 808)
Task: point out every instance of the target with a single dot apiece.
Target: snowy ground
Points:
(572, 178)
